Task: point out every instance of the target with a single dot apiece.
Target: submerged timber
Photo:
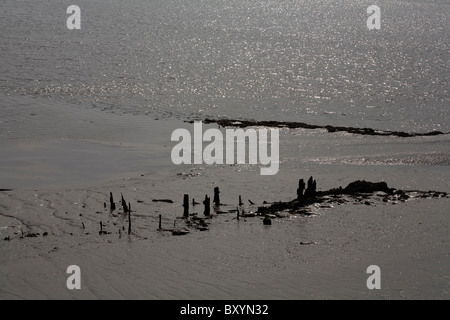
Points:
(301, 125)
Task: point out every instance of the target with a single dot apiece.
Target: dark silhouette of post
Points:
(207, 204)
(124, 205)
(101, 232)
(216, 196)
(111, 202)
(311, 189)
(240, 201)
(160, 218)
(301, 189)
(186, 206)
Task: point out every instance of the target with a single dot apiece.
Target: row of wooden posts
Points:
(206, 203)
(310, 191)
(126, 209)
(302, 193)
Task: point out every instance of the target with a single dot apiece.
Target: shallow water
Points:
(316, 257)
(310, 61)
(72, 129)
(233, 260)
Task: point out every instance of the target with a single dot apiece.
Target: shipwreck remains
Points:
(357, 190)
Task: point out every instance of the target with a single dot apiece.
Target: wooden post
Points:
(311, 189)
(216, 196)
(124, 205)
(207, 204)
(101, 232)
(111, 202)
(160, 218)
(186, 206)
(240, 201)
(308, 192)
(301, 189)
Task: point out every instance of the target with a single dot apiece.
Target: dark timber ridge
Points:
(163, 200)
(297, 125)
(357, 190)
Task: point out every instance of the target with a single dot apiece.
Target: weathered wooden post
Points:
(240, 201)
(124, 204)
(111, 202)
(101, 232)
(216, 196)
(207, 204)
(301, 189)
(311, 189)
(186, 206)
(160, 219)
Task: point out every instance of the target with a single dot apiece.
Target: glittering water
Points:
(310, 60)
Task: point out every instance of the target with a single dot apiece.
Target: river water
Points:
(313, 61)
(87, 112)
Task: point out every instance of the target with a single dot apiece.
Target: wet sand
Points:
(62, 163)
